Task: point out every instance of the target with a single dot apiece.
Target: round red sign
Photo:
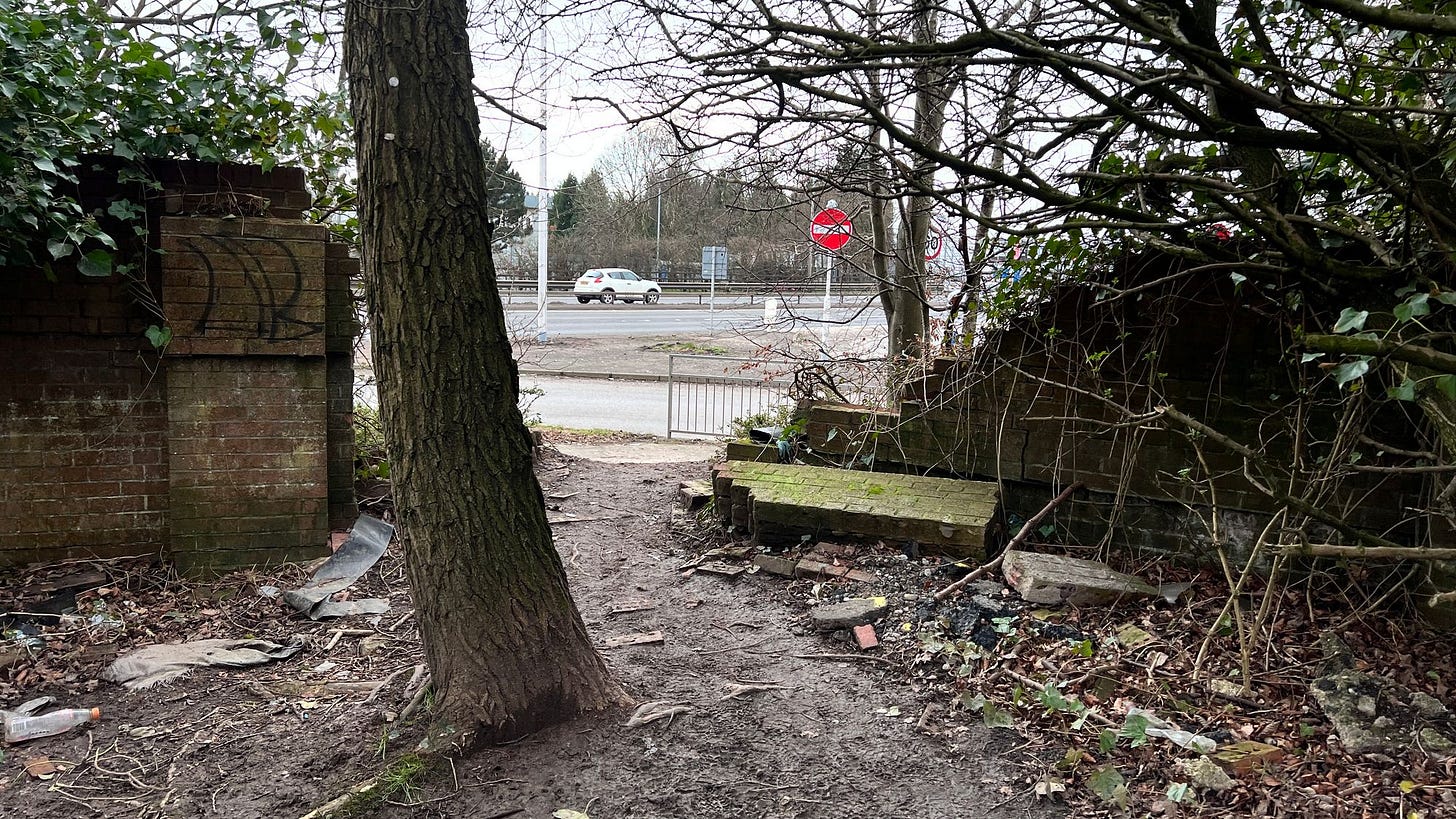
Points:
(831, 229)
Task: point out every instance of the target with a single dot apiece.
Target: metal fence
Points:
(703, 398)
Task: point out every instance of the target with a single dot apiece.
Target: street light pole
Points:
(657, 271)
(541, 231)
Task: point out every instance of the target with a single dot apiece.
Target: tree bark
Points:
(508, 652)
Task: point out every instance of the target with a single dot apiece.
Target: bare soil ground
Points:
(831, 738)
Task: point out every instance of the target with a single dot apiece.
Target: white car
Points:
(607, 284)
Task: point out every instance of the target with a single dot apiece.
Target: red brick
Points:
(865, 637)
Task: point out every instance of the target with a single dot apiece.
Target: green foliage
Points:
(779, 415)
(505, 203)
(371, 460)
(1109, 785)
(565, 211)
(73, 83)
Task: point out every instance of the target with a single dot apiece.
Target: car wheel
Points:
(651, 298)
(583, 299)
(608, 297)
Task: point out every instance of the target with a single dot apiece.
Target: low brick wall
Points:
(1030, 413)
(232, 447)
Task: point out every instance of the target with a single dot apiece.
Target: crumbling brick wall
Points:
(1037, 409)
(231, 447)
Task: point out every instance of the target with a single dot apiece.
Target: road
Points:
(637, 405)
(662, 320)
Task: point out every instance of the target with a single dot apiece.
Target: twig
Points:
(414, 703)
(1026, 530)
(867, 658)
(1369, 552)
(737, 690)
(735, 648)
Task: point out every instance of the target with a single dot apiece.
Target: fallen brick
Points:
(865, 637)
(783, 566)
(693, 495)
(835, 549)
(815, 569)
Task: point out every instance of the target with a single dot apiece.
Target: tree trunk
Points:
(508, 652)
(911, 316)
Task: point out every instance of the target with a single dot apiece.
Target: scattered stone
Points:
(1226, 688)
(642, 638)
(856, 611)
(1374, 713)
(865, 637)
(783, 566)
(1131, 636)
(1051, 579)
(1205, 774)
(1244, 757)
(373, 644)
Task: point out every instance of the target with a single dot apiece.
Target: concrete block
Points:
(856, 611)
(1053, 579)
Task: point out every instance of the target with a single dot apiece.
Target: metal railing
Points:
(703, 402)
(512, 289)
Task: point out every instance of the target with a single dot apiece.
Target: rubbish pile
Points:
(1135, 688)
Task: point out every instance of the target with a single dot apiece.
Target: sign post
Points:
(830, 229)
(715, 267)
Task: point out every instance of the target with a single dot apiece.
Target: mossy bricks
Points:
(784, 502)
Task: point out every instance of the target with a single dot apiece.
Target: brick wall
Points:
(1028, 412)
(246, 444)
(82, 436)
(234, 447)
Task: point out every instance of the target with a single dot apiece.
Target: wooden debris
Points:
(630, 604)
(720, 568)
(641, 638)
(650, 712)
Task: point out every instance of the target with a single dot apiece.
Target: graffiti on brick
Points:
(273, 280)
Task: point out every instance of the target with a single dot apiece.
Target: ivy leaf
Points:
(59, 249)
(1405, 392)
(995, 717)
(1308, 357)
(1107, 740)
(95, 263)
(1135, 729)
(1447, 385)
(1350, 319)
(160, 337)
(1108, 784)
(1351, 370)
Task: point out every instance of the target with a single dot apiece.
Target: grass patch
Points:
(399, 779)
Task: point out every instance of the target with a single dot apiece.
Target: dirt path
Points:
(838, 739)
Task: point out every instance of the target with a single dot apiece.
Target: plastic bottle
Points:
(22, 728)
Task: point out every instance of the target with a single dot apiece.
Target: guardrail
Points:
(702, 404)
(754, 291)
